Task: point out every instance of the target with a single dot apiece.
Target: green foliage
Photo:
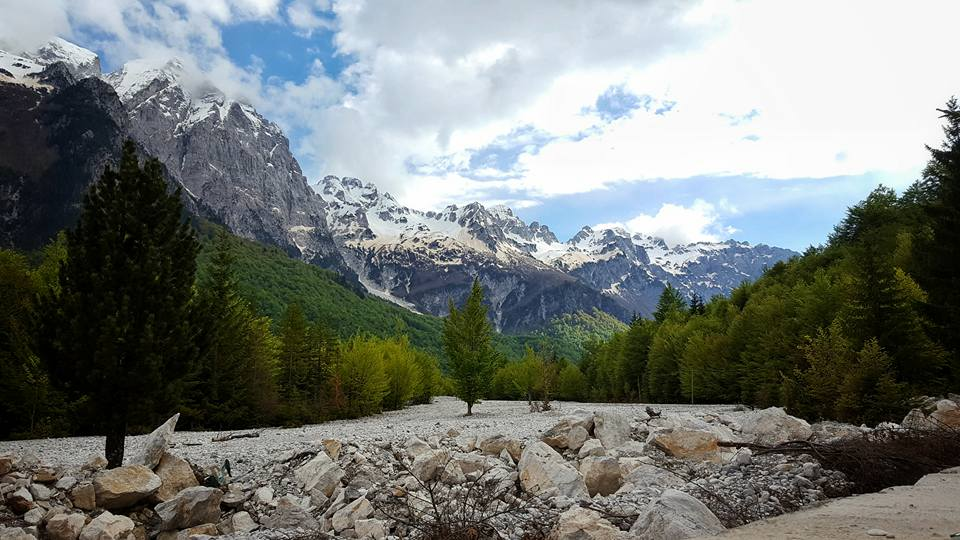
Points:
(360, 379)
(572, 384)
(118, 329)
(405, 375)
(671, 304)
(471, 357)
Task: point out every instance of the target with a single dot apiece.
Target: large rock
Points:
(157, 443)
(346, 517)
(290, 515)
(415, 447)
(6, 464)
(84, 496)
(494, 444)
(544, 472)
(601, 474)
(674, 516)
(591, 447)
(108, 527)
(20, 501)
(559, 436)
(124, 486)
(175, 475)
(429, 464)
(239, 523)
(15, 533)
(611, 428)
(582, 524)
(697, 445)
(191, 507)
(915, 419)
(319, 473)
(947, 414)
(65, 526)
(773, 426)
(370, 529)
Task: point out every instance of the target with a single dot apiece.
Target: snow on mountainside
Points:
(237, 166)
(632, 270)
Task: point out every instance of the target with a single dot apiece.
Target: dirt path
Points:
(929, 509)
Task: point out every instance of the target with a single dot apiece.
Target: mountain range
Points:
(62, 121)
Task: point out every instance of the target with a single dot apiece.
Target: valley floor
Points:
(510, 418)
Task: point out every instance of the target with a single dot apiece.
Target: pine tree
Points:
(670, 303)
(294, 363)
(697, 306)
(941, 182)
(119, 331)
(467, 342)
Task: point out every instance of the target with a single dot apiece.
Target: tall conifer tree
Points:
(467, 341)
(118, 330)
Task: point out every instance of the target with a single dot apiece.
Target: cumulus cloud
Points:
(677, 224)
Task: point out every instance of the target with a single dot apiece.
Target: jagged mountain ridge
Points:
(631, 271)
(236, 168)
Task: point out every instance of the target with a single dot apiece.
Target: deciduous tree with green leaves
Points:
(467, 342)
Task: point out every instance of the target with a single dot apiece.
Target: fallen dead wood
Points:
(242, 435)
(878, 459)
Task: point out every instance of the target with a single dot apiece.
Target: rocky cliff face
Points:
(421, 259)
(227, 155)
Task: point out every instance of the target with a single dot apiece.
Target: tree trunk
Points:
(116, 433)
(469, 409)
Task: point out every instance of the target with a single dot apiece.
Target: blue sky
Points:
(760, 120)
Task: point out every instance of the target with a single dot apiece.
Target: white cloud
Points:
(306, 15)
(677, 225)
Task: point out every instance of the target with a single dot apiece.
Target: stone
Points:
(494, 444)
(560, 437)
(65, 526)
(34, 516)
(685, 444)
(346, 517)
(645, 475)
(319, 473)
(45, 476)
(290, 515)
(415, 447)
(175, 475)
(947, 415)
(157, 443)
(239, 523)
(601, 474)
(674, 516)
(630, 449)
(234, 497)
(41, 492)
(84, 496)
(15, 533)
(6, 464)
(198, 531)
(877, 532)
(332, 447)
(915, 419)
(107, 527)
(743, 457)
(124, 486)
(66, 483)
(20, 501)
(583, 524)
(370, 529)
(611, 428)
(544, 472)
(192, 506)
(591, 447)
(263, 495)
(95, 462)
(772, 426)
(427, 465)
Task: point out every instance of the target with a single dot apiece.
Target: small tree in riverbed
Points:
(118, 330)
(467, 342)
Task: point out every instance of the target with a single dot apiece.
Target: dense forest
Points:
(233, 334)
(851, 330)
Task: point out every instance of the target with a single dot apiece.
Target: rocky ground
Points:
(581, 471)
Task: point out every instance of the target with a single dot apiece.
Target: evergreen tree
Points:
(697, 306)
(941, 182)
(119, 328)
(467, 342)
(670, 303)
(294, 364)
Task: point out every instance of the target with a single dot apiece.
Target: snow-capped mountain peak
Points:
(23, 67)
